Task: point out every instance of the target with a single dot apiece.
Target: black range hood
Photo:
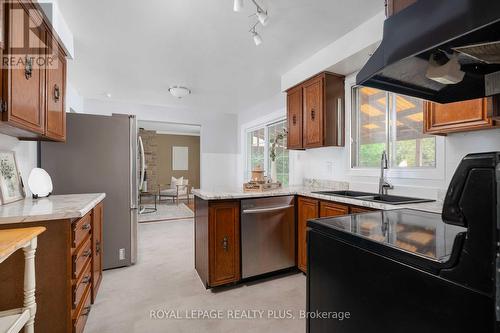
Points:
(467, 31)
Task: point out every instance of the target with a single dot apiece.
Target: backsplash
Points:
(324, 183)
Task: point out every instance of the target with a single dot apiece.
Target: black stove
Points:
(412, 271)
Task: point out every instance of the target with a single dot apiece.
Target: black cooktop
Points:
(417, 237)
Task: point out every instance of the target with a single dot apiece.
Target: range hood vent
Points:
(444, 51)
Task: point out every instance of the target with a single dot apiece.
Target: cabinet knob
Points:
(86, 279)
(86, 226)
(225, 244)
(86, 311)
(87, 253)
(98, 247)
(294, 119)
(313, 113)
(28, 67)
(57, 93)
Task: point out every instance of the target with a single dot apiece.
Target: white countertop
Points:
(55, 207)
(432, 207)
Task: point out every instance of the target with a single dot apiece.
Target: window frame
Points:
(431, 173)
(264, 125)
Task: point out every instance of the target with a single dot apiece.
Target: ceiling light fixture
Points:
(262, 18)
(238, 5)
(256, 37)
(179, 92)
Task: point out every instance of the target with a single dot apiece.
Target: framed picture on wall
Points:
(11, 186)
(180, 158)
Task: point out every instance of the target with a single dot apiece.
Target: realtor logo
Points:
(27, 41)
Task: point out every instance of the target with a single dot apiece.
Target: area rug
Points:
(167, 212)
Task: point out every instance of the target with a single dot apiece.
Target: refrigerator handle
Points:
(143, 162)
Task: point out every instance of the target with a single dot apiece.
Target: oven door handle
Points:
(266, 210)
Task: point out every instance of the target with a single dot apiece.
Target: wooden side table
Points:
(12, 240)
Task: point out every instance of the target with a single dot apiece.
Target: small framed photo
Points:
(11, 186)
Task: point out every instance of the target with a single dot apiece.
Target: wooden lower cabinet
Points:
(217, 241)
(472, 115)
(357, 210)
(330, 209)
(97, 218)
(64, 267)
(307, 209)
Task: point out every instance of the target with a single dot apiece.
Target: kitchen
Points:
(338, 166)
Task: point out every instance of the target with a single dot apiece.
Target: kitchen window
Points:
(258, 143)
(386, 121)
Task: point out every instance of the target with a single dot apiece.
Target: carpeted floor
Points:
(166, 212)
(164, 279)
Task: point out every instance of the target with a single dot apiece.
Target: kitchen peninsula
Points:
(226, 236)
(68, 258)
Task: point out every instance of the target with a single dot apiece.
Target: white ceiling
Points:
(135, 50)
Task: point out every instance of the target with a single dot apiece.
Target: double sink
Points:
(375, 197)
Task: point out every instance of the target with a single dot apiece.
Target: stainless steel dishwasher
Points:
(267, 235)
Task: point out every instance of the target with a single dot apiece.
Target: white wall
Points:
(219, 141)
(26, 155)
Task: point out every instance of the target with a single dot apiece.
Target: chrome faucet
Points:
(383, 184)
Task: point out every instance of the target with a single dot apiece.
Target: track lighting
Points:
(262, 16)
(238, 5)
(256, 37)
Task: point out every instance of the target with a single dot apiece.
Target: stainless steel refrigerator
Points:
(101, 155)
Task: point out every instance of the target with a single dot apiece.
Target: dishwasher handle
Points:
(265, 210)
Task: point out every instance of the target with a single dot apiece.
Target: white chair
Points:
(177, 189)
(12, 240)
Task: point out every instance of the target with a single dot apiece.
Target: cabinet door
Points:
(395, 6)
(357, 210)
(294, 111)
(25, 80)
(307, 209)
(55, 128)
(224, 243)
(97, 220)
(330, 209)
(458, 117)
(313, 113)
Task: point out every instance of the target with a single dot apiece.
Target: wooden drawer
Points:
(80, 317)
(81, 285)
(81, 229)
(81, 258)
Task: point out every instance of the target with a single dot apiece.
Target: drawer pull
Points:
(86, 226)
(86, 311)
(294, 119)
(87, 253)
(313, 114)
(86, 279)
(98, 247)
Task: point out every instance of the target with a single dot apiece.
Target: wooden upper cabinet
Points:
(458, 117)
(330, 209)
(33, 82)
(224, 243)
(319, 120)
(55, 128)
(294, 111)
(313, 115)
(24, 81)
(307, 209)
(393, 7)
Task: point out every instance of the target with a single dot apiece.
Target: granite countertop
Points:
(55, 207)
(432, 207)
